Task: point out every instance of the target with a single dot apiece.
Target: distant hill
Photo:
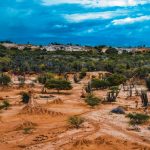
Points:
(71, 48)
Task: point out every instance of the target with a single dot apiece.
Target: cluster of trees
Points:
(58, 84)
(20, 62)
(49, 81)
(112, 80)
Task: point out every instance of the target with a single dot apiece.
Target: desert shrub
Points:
(26, 97)
(82, 73)
(75, 121)
(27, 130)
(5, 104)
(4, 80)
(99, 84)
(58, 84)
(45, 77)
(137, 118)
(92, 100)
(116, 79)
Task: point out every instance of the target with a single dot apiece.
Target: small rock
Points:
(118, 110)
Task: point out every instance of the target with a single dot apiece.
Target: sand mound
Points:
(39, 111)
(26, 124)
(1, 98)
(82, 142)
(40, 138)
(57, 101)
(99, 140)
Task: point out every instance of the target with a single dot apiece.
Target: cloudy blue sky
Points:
(89, 22)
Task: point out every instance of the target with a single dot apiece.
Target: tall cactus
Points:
(144, 98)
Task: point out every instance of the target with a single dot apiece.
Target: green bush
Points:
(58, 84)
(137, 118)
(142, 72)
(116, 79)
(82, 73)
(99, 84)
(92, 100)
(5, 104)
(25, 97)
(75, 121)
(45, 77)
(42, 79)
(4, 80)
(27, 130)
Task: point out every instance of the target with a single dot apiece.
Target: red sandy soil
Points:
(101, 130)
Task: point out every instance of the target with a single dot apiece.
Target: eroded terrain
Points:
(45, 126)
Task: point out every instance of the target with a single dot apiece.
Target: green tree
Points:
(58, 84)
(43, 79)
(82, 73)
(4, 80)
(99, 84)
(116, 79)
(142, 72)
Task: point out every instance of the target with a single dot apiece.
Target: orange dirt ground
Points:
(45, 127)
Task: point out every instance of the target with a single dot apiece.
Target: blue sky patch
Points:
(86, 22)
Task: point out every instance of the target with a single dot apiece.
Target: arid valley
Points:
(42, 124)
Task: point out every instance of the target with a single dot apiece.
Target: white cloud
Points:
(130, 20)
(80, 17)
(59, 26)
(90, 30)
(97, 3)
